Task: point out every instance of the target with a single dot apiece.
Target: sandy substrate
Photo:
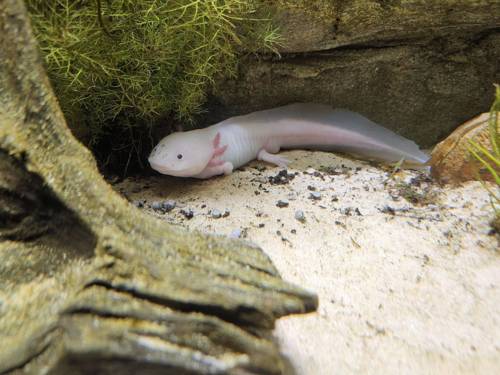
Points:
(407, 273)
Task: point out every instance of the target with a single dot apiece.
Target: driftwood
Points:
(88, 283)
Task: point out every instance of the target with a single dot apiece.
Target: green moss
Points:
(126, 63)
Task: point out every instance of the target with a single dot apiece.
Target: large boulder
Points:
(419, 67)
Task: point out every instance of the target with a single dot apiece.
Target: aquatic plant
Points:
(126, 63)
(490, 159)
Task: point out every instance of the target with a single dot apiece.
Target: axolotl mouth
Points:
(163, 169)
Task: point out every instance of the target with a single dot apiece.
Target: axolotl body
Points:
(232, 143)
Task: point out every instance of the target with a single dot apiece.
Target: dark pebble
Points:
(282, 203)
(315, 195)
(139, 204)
(168, 205)
(282, 178)
(188, 213)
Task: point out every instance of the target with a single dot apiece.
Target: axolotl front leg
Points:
(214, 170)
(216, 166)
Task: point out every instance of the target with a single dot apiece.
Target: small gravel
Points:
(138, 203)
(157, 205)
(236, 233)
(187, 213)
(282, 178)
(315, 195)
(215, 213)
(168, 205)
(163, 206)
(282, 203)
(300, 216)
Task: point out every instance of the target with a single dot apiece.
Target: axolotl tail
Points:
(318, 126)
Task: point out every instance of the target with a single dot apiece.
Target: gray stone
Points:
(300, 216)
(419, 68)
(235, 233)
(282, 203)
(215, 213)
(315, 195)
(169, 205)
(156, 206)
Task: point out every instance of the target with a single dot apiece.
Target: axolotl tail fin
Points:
(387, 145)
(350, 132)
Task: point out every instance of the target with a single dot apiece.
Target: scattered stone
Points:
(340, 224)
(300, 216)
(293, 231)
(139, 203)
(311, 188)
(236, 233)
(215, 213)
(169, 205)
(315, 195)
(226, 213)
(164, 206)
(351, 211)
(282, 203)
(388, 210)
(282, 178)
(157, 206)
(187, 213)
(262, 225)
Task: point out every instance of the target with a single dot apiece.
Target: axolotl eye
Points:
(179, 156)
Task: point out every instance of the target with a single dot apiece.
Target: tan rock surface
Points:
(403, 287)
(451, 160)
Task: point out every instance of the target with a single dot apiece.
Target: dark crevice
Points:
(18, 367)
(241, 315)
(381, 44)
(44, 234)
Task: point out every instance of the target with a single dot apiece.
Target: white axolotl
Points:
(223, 147)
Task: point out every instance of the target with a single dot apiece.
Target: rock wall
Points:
(420, 67)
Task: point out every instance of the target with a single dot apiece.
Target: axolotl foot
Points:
(280, 161)
(225, 168)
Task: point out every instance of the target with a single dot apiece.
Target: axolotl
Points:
(232, 143)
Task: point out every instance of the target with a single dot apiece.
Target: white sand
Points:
(414, 291)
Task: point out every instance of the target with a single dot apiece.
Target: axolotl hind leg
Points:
(280, 161)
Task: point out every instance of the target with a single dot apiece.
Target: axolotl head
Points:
(182, 154)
